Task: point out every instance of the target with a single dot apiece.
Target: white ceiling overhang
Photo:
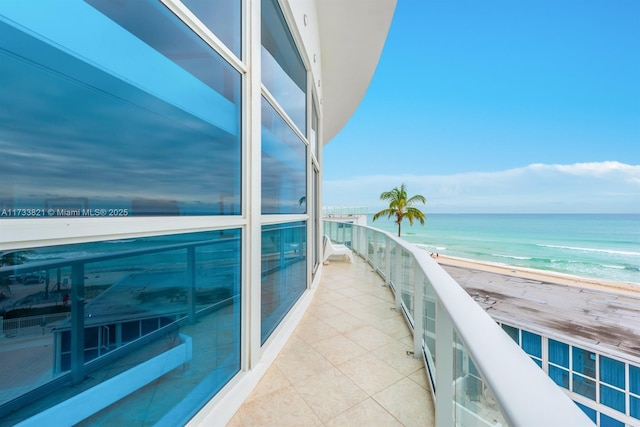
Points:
(352, 35)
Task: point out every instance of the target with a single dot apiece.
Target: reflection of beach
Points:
(543, 276)
(15, 355)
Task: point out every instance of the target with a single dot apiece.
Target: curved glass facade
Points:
(139, 109)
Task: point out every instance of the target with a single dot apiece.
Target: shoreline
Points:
(541, 275)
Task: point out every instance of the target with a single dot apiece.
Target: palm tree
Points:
(401, 207)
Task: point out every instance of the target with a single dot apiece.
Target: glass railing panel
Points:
(407, 283)
(381, 252)
(474, 406)
(429, 322)
(371, 248)
(393, 265)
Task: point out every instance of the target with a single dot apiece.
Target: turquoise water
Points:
(599, 246)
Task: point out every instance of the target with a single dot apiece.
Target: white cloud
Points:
(598, 187)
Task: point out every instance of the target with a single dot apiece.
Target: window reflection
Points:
(284, 166)
(222, 17)
(90, 312)
(284, 271)
(98, 120)
(283, 72)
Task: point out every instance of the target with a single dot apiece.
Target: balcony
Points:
(346, 363)
(351, 359)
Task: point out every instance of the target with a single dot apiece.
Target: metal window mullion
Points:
(282, 113)
(205, 33)
(252, 174)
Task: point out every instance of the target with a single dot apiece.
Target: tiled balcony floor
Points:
(346, 364)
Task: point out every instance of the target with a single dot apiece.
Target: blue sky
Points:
(499, 106)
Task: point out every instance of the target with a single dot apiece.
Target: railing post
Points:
(444, 369)
(77, 323)
(397, 277)
(418, 312)
(387, 260)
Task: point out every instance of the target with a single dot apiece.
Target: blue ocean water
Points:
(586, 245)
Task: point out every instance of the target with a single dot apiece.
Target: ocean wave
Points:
(617, 267)
(430, 247)
(577, 248)
(60, 255)
(512, 256)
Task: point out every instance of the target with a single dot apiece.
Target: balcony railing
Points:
(479, 376)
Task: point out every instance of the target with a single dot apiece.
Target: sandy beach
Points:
(543, 276)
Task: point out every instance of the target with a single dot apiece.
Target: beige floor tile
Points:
(347, 304)
(272, 380)
(394, 326)
(408, 402)
(370, 373)
(395, 354)
(324, 310)
(369, 337)
(344, 322)
(284, 407)
(312, 329)
(235, 421)
(420, 377)
(330, 393)
(298, 360)
(338, 349)
(365, 414)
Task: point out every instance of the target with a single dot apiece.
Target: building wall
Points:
(606, 387)
(160, 185)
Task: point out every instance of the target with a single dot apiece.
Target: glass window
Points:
(634, 407)
(222, 17)
(612, 372)
(607, 421)
(559, 376)
(105, 308)
(284, 166)
(584, 362)
(512, 332)
(584, 386)
(532, 343)
(283, 72)
(284, 271)
(96, 130)
(634, 379)
(612, 398)
(559, 353)
(591, 413)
